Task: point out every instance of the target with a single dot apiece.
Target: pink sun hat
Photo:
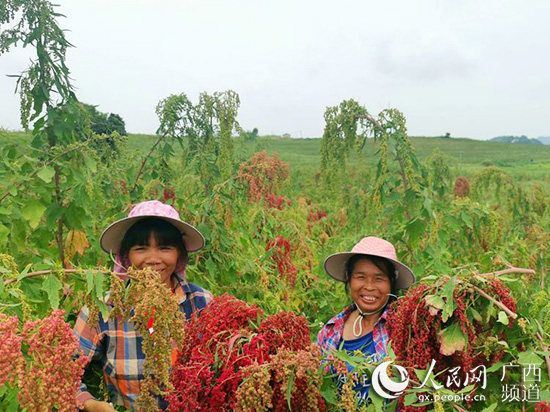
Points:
(335, 265)
(112, 236)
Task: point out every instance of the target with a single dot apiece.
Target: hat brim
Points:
(111, 238)
(335, 266)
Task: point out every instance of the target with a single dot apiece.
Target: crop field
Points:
(470, 218)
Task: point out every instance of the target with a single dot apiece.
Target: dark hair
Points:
(383, 264)
(164, 233)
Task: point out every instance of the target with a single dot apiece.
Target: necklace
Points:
(359, 319)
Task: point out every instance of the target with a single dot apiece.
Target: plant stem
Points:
(59, 234)
(147, 156)
(510, 270)
(496, 302)
(47, 272)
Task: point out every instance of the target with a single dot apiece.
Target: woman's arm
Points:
(93, 405)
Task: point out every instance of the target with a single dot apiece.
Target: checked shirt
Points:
(330, 336)
(116, 345)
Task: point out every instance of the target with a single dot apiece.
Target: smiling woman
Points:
(372, 275)
(152, 236)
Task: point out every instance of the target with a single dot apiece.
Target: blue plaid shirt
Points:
(330, 336)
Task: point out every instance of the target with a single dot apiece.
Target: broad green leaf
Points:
(503, 318)
(529, 357)
(496, 367)
(46, 174)
(435, 301)
(210, 266)
(490, 408)
(90, 163)
(33, 212)
(52, 285)
(410, 399)
(451, 339)
(328, 391)
(377, 401)
(415, 229)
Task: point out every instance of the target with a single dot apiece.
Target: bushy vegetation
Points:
(269, 221)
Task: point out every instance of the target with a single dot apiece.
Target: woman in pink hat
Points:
(153, 236)
(372, 275)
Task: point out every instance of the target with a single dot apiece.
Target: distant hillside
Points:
(544, 139)
(515, 139)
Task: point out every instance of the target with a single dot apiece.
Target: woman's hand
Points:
(92, 405)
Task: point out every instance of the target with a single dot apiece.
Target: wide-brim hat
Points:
(112, 236)
(335, 265)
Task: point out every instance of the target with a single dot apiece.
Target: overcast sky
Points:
(473, 68)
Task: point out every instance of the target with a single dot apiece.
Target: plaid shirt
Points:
(116, 346)
(330, 336)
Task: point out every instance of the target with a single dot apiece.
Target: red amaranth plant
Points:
(315, 216)
(48, 376)
(263, 174)
(281, 256)
(168, 194)
(224, 353)
(277, 202)
(420, 325)
(542, 407)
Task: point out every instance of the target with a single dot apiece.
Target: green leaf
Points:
(410, 399)
(451, 339)
(90, 163)
(415, 228)
(46, 174)
(4, 232)
(24, 272)
(289, 390)
(4, 211)
(328, 391)
(90, 280)
(467, 219)
(448, 291)
(33, 212)
(503, 318)
(435, 301)
(52, 285)
(529, 357)
(490, 408)
(98, 281)
(475, 314)
(210, 266)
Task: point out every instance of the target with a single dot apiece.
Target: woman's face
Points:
(162, 259)
(369, 286)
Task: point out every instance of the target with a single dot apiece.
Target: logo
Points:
(382, 383)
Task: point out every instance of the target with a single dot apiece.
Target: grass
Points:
(466, 156)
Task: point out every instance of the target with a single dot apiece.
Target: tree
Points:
(103, 123)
